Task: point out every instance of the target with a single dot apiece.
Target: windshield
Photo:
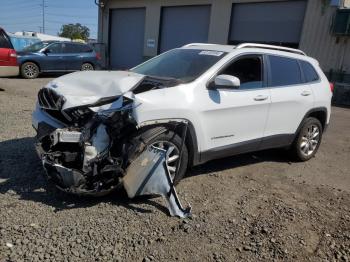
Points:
(36, 47)
(182, 64)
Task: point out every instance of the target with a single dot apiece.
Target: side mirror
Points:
(227, 81)
(46, 51)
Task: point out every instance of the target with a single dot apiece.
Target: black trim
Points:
(230, 150)
(314, 110)
(192, 141)
(275, 141)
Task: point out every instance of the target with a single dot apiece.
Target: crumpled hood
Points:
(87, 87)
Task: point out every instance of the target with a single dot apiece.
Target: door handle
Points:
(306, 93)
(260, 98)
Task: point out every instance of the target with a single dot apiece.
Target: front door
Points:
(234, 118)
(53, 60)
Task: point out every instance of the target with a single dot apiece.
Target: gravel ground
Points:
(252, 207)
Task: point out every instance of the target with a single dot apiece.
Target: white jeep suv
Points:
(199, 102)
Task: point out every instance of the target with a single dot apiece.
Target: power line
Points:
(73, 16)
(60, 22)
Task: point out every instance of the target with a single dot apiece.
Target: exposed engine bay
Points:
(89, 154)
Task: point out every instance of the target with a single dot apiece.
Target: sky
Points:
(26, 15)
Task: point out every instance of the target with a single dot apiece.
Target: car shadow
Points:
(22, 175)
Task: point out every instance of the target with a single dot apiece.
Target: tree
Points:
(75, 31)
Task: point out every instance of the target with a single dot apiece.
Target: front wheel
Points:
(308, 140)
(171, 142)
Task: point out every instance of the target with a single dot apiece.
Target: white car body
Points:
(220, 118)
(224, 114)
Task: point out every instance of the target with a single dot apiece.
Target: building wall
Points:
(316, 41)
(332, 52)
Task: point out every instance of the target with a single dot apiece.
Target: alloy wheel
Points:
(87, 67)
(172, 157)
(310, 140)
(30, 70)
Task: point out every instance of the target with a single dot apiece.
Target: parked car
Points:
(8, 56)
(231, 99)
(55, 56)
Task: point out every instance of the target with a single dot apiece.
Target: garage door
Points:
(127, 30)
(274, 23)
(182, 25)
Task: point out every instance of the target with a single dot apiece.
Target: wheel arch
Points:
(31, 61)
(176, 125)
(319, 113)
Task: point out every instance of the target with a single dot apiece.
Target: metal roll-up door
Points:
(181, 25)
(274, 22)
(127, 31)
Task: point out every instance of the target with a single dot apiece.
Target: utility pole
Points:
(43, 14)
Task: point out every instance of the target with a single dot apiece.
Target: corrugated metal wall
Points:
(317, 41)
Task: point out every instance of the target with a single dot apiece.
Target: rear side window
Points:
(310, 73)
(77, 48)
(85, 49)
(4, 41)
(284, 71)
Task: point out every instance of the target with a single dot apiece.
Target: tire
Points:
(308, 140)
(87, 67)
(166, 139)
(30, 70)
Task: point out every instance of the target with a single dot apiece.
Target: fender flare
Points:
(308, 113)
(191, 138)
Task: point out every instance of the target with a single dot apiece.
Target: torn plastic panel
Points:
(149, 175)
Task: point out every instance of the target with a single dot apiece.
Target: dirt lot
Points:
(246, 208)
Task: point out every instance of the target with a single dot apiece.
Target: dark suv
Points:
(54, 56)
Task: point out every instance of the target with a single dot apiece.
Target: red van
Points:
(8, 56)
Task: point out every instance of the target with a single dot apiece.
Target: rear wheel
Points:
(30, 70)
(87, 67)
(308, 140)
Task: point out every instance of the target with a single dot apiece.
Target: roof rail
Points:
(195, 44)
(273, 47)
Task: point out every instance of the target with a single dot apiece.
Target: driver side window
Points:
(249, 70)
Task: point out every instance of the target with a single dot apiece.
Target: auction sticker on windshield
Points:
(212, 53)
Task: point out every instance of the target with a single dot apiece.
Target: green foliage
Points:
(75, 31)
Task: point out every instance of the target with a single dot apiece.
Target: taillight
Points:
(13, 53)
(331, 85)
(98, 56)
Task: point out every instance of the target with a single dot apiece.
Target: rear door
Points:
(73, 56)
(291, 99)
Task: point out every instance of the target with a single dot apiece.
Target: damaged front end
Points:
(94, 147)
(88, 154)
